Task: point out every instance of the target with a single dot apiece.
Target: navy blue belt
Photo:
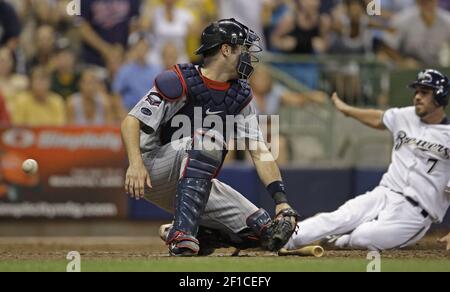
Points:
(413, 202)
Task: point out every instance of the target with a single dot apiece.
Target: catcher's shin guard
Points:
(194, 189)
(259, 221)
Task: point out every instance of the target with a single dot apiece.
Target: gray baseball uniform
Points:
(227, 209)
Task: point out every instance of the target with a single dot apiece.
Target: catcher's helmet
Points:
(435, 80)
(232, 32)
(226, 31)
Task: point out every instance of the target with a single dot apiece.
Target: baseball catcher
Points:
(176, 149)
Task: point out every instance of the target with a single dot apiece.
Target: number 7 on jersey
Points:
(433, 164)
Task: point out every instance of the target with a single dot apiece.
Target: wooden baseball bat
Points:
(307, 251)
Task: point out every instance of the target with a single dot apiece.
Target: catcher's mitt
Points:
(280, 230)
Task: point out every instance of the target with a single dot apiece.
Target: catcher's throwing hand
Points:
(136, 178)
(446, 239)
(338, 103)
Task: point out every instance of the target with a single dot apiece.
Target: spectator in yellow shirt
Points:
(40, 106)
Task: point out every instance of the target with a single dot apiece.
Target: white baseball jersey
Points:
(154, 112)
(420, 165)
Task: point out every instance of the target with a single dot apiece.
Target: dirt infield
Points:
(137, 241)
(124, 248)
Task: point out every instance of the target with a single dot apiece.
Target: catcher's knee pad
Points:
(206, 155)
(203, 163)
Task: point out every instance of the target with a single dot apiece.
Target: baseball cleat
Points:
(329, 242)
(183, 245)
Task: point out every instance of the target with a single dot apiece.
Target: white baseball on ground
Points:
(30, 166)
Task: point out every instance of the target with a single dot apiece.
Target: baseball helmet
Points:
(435, 80)
(226, 31)
(232, 32)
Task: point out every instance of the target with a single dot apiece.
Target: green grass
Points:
(291, 264)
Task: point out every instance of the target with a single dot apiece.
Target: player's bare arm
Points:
(369, 117)
(137, 175)
(268, 170)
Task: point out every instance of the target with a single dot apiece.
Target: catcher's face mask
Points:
(247, 58)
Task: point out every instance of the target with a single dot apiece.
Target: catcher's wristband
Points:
(278, 192)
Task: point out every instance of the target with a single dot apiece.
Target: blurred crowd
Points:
(58, 69)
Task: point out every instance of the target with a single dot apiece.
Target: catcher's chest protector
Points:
(211, 102)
